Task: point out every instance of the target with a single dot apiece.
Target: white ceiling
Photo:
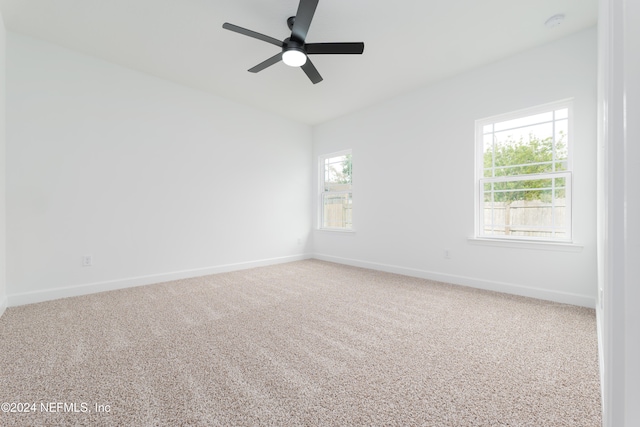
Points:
(408, 43)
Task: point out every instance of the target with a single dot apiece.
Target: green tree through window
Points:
(526, 157)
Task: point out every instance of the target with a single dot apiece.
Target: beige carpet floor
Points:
(307, 343)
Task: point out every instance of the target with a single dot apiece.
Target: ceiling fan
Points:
(295, 49)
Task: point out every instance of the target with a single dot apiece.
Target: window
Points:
(523, 174)
(336, 194)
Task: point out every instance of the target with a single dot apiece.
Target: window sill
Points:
(526, 244)
(336, 230)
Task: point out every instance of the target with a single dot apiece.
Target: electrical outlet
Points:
(299, 241)
(447, 254)
(87, 261)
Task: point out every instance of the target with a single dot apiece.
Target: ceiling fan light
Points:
(294, 57)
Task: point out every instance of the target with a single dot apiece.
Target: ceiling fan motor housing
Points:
(293, 45)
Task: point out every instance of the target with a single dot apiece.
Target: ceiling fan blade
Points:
(311, 72)
(306, 10)
(253, 34)
(334, 48)
(269, 62)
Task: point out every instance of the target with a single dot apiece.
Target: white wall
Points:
(154, 180)
(413, 166)
(632, 211)
(3, 235)
(619, 209)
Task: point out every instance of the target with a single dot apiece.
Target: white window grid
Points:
(557, 232)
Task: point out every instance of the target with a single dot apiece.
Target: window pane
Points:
(527, 150)
(524, 121)
(562, 131)
(561, 166)
(525, 135)
(531, 208)
(337, 173)
(488, 154)
(560, 187)
(337, 209)
(562, 113)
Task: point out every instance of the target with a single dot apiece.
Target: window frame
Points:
(480, 180)
(322, 193)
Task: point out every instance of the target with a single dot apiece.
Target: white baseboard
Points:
(508, 288)
(91, 288)
(3, 305)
